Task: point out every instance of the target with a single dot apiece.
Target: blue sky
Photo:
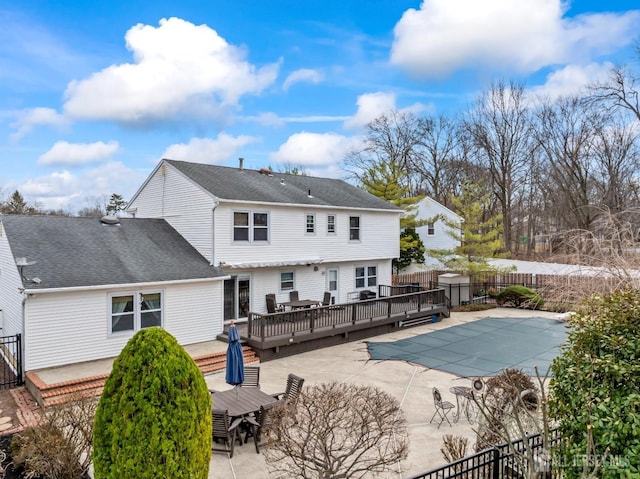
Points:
(95, 93)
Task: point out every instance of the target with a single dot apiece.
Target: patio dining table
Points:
(241, 401)
(300, 303)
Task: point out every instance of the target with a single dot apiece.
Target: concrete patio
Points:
(410, 383)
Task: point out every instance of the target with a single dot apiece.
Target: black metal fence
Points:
(473, 293)
(503, 460)
(11, 361)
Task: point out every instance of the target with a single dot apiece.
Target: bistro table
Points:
(464, 399)
(241, 401)
(301, 303)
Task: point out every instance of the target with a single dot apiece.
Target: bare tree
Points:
(620, 92)
(337, 431)
(500, 127)
(565, 135)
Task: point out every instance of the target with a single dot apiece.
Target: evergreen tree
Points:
(16, 205)
(385, 180)
(116, 204)
(154, 416)
(480, 235)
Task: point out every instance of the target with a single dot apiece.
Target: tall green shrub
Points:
(596, 389)
(154, 417)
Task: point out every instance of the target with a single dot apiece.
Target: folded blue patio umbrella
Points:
(235, 361)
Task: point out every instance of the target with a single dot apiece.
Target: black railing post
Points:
(495, 463)
(249, 324)
(19, 368)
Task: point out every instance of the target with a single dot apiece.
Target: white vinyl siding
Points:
(10, 284)
(66, 328)
(184, 205)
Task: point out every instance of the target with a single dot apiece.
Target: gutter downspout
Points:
(213, 233)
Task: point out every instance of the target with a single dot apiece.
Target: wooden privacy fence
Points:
(558, 288)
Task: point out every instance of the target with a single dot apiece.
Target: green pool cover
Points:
(481, 348)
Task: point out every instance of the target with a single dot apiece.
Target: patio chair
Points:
(326, 299)
(272, 305)
(443, 408)
(292, 391)
(293, 296)
(251, 377)
(224, 430)
(256, 426)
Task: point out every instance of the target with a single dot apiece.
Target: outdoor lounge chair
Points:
(442, 408)
(225, 431)
(326, 299)
(251, 377)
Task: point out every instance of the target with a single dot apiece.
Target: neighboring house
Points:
(435, 234)
(275, 232)
(78, 288)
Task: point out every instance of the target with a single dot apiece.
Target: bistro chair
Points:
(272, 305)
(293, 296)
(256, 426)
(292, 391)
(326, 299)
(225, 430)
(442, 408)
(251, 377)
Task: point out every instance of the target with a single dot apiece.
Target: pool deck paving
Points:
(410, 382)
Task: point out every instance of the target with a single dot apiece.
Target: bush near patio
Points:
(154, 417)
(519, 297)
(595, 388)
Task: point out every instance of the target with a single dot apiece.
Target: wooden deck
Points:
(291, 332)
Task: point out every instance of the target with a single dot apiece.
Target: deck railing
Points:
(263, 326)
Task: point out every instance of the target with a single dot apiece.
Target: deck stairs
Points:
(47, 395)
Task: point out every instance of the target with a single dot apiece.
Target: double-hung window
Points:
(286, 281)
(354, 228)
(250, 226)
(431, 229)
(366, 276)
(331, 224)
(134, 311)
(310, 224)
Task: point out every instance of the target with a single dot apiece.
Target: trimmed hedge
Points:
(154, 416)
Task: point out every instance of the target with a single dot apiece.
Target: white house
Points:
(275, 232)
(205, 245)
(77, 289)
(434, 234)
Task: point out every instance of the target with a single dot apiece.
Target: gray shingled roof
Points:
(72, 252)
(228, 183)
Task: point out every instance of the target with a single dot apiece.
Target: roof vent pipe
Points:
(240, 164)
(282, 181)
(309, 194)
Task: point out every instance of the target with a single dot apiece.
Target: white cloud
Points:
(525, 35)
(76, 154)
(28, 119)
(65, 190)
(314, 149)
(207, 150)
(370, 107)
(571, 80)
(179, 70)
(302, 75)
(266, 119)
(374, 105)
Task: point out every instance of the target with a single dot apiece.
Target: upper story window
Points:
(310, 224)
(431, 229)
(286, 281)
(366, 276)
(354, 228)
(331, 224)
(250, 226)
(134, 311)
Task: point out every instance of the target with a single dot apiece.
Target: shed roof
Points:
(71, 252)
